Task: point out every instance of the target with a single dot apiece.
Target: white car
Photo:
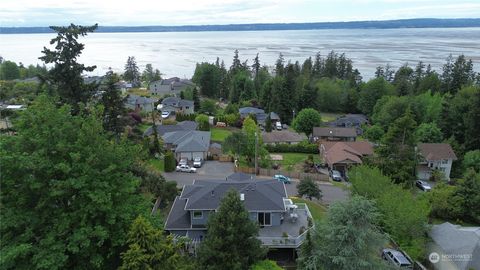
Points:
(197, 162)
(278, 125)
(424, 186)
(185, 168)
(165, 114)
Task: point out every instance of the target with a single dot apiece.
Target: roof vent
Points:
(242, 197)
(331, 131)
(213, 193)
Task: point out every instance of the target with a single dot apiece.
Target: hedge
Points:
(303, 147)
(169, 162)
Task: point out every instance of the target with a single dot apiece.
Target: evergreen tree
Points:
(472, 122)
(113, 105)
(169, 162)
(397, 153)
(68, 194)
(149, 248)
(66, 75)
(236, 64)
(196, 100)
(279, 65)
(268, 124)
(305, 259)
(132, 73)
(231, 241)
(351, 231)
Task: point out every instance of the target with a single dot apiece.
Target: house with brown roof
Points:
(342, 155)
(434, 156)
(334, 134)
(283, 136)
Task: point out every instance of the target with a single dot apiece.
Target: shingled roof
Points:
(162, 129)
(188, 141)
(334, 132)
(346, 152)
(282, 136)
(436, 151)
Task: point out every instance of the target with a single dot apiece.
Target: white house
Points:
(434, 156)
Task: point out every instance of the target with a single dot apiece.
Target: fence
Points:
(272, 172)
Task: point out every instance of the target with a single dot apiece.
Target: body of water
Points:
(176, 53)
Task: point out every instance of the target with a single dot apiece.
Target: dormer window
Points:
(197, 214)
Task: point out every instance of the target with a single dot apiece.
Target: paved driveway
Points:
(215, 170)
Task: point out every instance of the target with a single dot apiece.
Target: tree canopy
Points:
(306, 120)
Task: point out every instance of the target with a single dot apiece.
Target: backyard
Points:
(156, 164)
(318, 211)
(219, 134)
(294, 161)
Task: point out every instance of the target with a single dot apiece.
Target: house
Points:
(260, 115)
(283, 136)
(351, 120)
(139, 103)
(458, 247)
(170, 86)
(334, 134)
(215, 150)
(177, 105)
(434, 156)
(282, 223)
(188, 144)
(342, 155)
(180, 126)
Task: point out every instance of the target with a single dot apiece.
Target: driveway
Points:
(215, 170)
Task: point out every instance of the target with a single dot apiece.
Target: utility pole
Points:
(256, 150)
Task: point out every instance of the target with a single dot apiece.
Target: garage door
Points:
(187, 155)
(198, 154)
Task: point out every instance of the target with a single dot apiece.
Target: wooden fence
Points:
(271, 172)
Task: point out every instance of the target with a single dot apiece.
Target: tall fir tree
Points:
(132, 73)
(113, 105)
(66, 75)
(231, 241)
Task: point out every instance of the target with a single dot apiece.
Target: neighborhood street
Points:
(213, 170)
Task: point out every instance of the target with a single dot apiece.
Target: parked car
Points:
(335, 175)
(423, 185)
(165, 114)
(397, 258)
(282, 178)
(183, 161)
(278, 125)
(197, 162)
(185, 168)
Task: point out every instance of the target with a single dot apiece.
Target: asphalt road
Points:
(213, 170)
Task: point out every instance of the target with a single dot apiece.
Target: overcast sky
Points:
(184, 12)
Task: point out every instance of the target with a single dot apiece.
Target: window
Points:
(264, 219)
(197, 214)
(445, 161)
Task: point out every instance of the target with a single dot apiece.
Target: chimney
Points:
(242, 197)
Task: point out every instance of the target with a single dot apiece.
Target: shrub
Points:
(170, 162)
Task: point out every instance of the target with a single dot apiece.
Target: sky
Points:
(198, 12)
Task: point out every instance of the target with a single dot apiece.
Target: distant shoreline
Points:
(387, 24)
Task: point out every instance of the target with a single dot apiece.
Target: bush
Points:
(303, 147)
(185, 117)
(170, 162)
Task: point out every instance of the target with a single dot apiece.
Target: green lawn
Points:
(157, 164)
(142, 127)
(292, 161)
(318, 211)
(327, 117)
(219, 134)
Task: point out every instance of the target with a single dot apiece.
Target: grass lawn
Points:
(327, 117)
(293, 161)
(139, 92)
(157, 164)
(317, 210)
(219, 134)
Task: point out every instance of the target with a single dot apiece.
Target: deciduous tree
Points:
(308, 188)
(306, 120)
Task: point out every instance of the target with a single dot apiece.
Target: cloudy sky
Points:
(194, 12)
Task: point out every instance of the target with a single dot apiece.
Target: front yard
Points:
(157, 164)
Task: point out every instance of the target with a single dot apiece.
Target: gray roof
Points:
(176, 102)
(454, 239)
(239, 176)
(259, 195)
(134, 100)
(334, 132)
(248, 110)
(188, 141)
(350, 120)
(178, 217)
(162, 129)
(280, 136)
